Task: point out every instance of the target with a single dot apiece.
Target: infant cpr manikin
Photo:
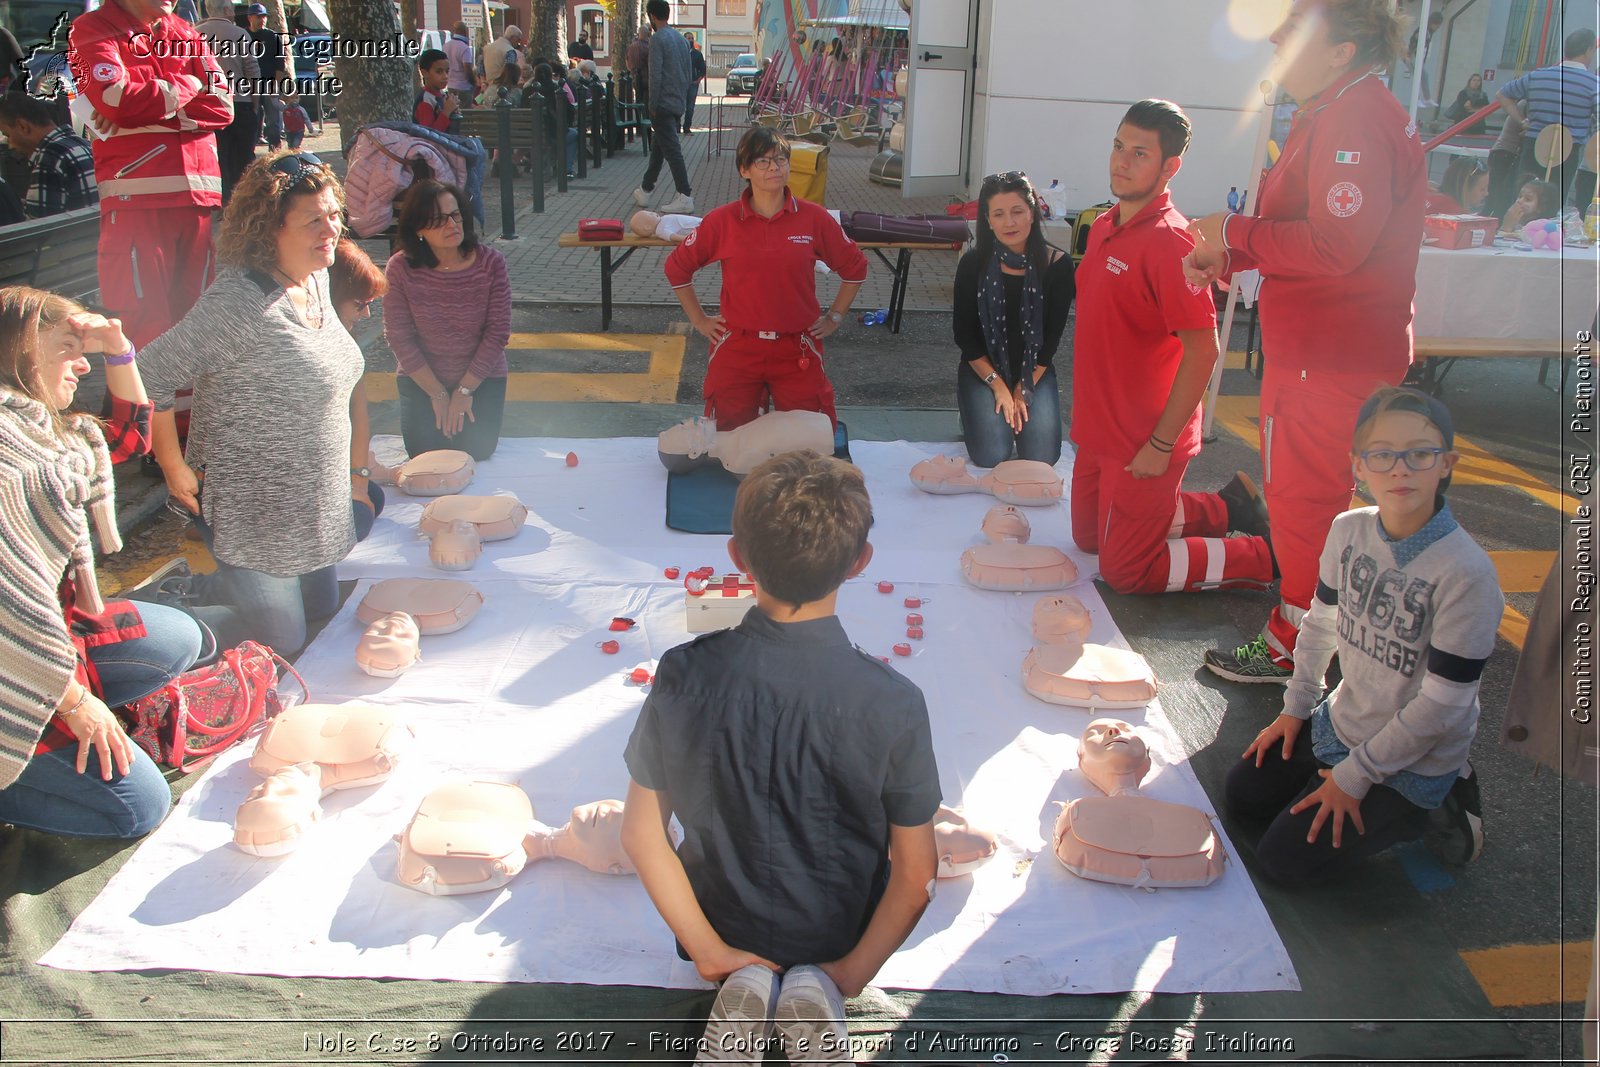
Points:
(697, 442)
(1028, 482)
(439, 605)
(496, 517)
(465, 838)
(1126, 838)
(305, 753)
(389, 647)
(962, 848)
(667, 227)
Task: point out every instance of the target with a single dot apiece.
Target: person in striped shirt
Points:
(1568, 93)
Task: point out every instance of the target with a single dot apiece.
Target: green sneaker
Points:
(1251, 663)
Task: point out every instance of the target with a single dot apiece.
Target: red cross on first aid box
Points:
(720, 604)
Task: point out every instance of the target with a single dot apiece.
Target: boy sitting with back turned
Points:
(796, 764)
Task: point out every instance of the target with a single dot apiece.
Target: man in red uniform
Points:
(1336, 243)
(159, 95)
(767, 340)
(1143, 349)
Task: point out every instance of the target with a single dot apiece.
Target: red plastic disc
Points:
(621, 624)
(885, 587)
(672, 572)
(640, 676)
(913, 602)
(902, 649)
(913, 619)
(572, 459)
(610, 648)
(914, 632)
(884, 658)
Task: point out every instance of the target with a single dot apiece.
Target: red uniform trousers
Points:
(1308, 420)
(154, 264)
(750, 374)
(1152, 538)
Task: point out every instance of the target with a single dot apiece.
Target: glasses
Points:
(1382, 460)
(442, 218)
(770, 163)
(363, 306)
(299, 167)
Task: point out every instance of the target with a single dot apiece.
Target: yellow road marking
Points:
(1514, 627)
(657, 385)
(1241, 416)
(1523, 976)
(1522, 572)
(114, 580)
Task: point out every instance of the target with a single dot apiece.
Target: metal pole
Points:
(536, 121)
(557, 117)
(597, 114)
(508, 168)
(1252, 196)
(583, 114)
(1422, 55)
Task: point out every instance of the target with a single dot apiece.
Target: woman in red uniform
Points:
(1336, 243)
(766, 343)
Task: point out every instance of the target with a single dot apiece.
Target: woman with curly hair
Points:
(447, 318)
(66, 766)
(269, 471)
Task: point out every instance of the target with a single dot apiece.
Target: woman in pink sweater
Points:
(447, 317)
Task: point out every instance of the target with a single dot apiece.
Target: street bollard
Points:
(508, 169)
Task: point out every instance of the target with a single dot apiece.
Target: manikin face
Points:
(1113, 747)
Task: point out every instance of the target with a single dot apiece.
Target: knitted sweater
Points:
(1413, 622)
(52, 489)
(270, 425)
(449, 321)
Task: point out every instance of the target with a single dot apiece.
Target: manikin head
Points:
(643, 223)
(1113, 756)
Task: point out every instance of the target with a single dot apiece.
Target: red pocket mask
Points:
(1018, 568)
(436, 473)
(496, 517)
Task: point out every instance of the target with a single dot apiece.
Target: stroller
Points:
(388, 156)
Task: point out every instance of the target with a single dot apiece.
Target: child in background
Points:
(295, 119)
(1538, 199)
(435, 105)
(510, 80)
(1411, 605)
(796, 764)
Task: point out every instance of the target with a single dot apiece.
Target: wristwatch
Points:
(463, 390)
(991, 377)
(836, 317)
(361, 472)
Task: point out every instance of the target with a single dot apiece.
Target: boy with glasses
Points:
(1411, 605)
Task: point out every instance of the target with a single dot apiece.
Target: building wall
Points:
(1048, 103)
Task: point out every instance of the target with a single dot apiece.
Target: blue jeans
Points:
(50, 795)
(988, 436)
(366, 514)
(240, 604)
(478, 438)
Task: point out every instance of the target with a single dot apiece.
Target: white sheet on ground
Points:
(524, 693)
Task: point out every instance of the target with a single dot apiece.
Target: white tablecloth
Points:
(1504, 293)
(1495, 292)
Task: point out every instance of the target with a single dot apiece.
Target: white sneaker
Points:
(682, 204)
(741, 1019)
(641, 197)
(810, 1017)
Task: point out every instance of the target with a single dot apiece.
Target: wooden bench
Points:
(1436, 355)
(484, 124)
(900, 268)
(59, 253)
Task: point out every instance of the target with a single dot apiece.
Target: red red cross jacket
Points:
(1338, 234)
(162, 89)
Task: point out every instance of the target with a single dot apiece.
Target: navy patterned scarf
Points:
(992, 314)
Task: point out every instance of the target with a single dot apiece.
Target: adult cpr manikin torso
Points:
(697, 442)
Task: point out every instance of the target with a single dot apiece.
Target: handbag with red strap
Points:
(204, 711)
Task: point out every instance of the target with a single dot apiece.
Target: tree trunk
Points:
(547, 37)
(408, 18)
(375, 90)
(624, 28)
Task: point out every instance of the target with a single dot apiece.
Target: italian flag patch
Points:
(1347, 157)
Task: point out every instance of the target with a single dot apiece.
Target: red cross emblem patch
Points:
(1344, 199)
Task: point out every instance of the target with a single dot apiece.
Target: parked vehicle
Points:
(743, 76)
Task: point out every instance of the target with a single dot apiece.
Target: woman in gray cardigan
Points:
(268, 470)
